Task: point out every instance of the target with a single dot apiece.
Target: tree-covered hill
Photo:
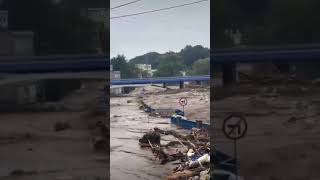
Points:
(193, 60)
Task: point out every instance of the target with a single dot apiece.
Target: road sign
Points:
(183, 101)
(235, 126)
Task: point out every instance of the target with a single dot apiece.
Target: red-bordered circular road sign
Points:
(183, 101)
(235, 126)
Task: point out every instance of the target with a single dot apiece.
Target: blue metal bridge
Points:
(254, 55)
(160, 80)
(100, 63)
(84, 63)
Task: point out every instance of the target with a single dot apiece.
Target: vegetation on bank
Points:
(193, 60)
(265, 22)
(59, 26)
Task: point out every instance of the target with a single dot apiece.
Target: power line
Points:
(125, 4)
(156, 10)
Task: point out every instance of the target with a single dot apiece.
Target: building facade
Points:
(145, 68)
(115, 75)
(99, 16)
(14, 43)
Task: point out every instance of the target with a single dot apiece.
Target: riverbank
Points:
(282, 141)
(129, 124)
(198, 100)
(54, 142)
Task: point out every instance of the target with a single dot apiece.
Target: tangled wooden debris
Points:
(101, 140)
(193, 151)
(164, 113)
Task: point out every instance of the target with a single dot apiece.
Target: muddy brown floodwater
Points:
(127, 124)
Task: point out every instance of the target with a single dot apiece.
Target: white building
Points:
(99, 16)
(3, 19)
(115, 75)
(14, 43)
(236, 36)
(146, 68)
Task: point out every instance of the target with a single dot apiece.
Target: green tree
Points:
(58, 28)
(268, 22)
(149, 58)
(298, 23)
(118, 62)
(170, 65)
(201, 67)
(236, 15)
(191, 54)
(127, 70)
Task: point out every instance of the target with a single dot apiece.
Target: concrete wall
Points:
(306, 70)
(56, 89)
(5, 44)
(115, 75)
(302, 70)
(19, 94)
(23, 43)
(22, 94)
(27, 94)
(16, 44)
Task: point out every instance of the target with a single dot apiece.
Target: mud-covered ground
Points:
(198, 100)
(31, 149)
(282, 141)
(128, 123)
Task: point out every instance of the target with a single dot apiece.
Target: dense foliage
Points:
(58, 26)
(266, 22)
(121, 64)
(194, 60)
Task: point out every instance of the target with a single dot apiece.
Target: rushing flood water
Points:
(127, 124)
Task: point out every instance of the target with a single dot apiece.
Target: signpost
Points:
(183, 102)
(235, 127)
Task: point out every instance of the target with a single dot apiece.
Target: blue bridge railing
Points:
(54, 64)
(263, 55)
(160, 80)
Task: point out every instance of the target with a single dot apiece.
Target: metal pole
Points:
(183, 110)
(236, 159)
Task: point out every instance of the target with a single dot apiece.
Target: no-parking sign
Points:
(183, 101)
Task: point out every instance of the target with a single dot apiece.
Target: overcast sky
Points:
(163, 31)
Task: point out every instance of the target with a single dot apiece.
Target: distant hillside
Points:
(191, 60)
(189, 55)
(149, 58)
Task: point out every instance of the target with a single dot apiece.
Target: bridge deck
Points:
(53, 64)
(263, 55)
(160, 80)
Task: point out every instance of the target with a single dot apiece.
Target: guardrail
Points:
(54, 64)
(260, 55)
(160, 80)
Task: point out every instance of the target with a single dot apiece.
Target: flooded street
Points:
(127, 124)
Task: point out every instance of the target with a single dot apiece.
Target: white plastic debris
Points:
(204, 159)
(190, 153)
(200, 161)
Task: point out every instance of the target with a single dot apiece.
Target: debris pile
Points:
(191, 151)
(164, 113)
(60, 126)
(101, 140)
(145, 107)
